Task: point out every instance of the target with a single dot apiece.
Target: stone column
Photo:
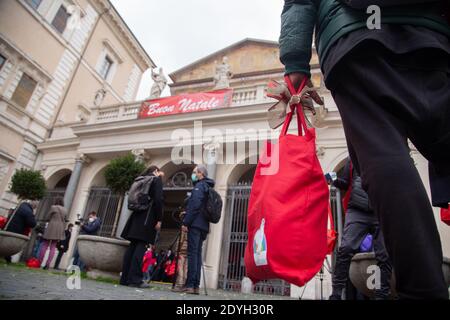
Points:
(208, 248)
(74, 179)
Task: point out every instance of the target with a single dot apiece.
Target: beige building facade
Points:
(228, 140)
(58, 58)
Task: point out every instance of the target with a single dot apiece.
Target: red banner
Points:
(186, 103)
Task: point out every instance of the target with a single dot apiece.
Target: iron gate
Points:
(105, 203)
(235, 235)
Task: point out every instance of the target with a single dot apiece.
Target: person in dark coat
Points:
(390, 83)
(360, 220)
(140, 230)
(197, 226)
(63, 245)
(91, 228)
(22, 220)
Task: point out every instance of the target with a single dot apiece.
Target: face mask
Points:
(91, 219)
(194, 177)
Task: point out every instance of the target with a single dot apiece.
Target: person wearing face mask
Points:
(142, 227)
(90, 228)
(196, 225)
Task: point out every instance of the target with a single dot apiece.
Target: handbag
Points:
(288, 206)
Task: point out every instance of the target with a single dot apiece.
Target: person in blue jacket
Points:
(90, 228)
(197, 226)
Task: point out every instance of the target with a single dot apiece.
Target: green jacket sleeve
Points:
(297, 25)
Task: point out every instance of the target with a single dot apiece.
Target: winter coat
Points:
(148, 261)
(91, 228)
(333, 20)
(141, 224)
(22, 220)
(359, 199)
(195, 210)
(57, 224)
(63, 245)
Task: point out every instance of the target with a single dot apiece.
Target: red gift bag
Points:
(288, 208)
(445, 216)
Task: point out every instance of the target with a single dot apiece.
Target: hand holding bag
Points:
(288, 207)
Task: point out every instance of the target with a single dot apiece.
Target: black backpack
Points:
(138, 198)
(213, 209)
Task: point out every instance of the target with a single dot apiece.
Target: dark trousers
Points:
(58, 259)
(384, 99)
(195, 245)
(353, 234)
(132, 263)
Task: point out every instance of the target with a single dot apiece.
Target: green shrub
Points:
(28, 185)
(121, 172)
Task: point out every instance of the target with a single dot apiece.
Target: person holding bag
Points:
(390, 83)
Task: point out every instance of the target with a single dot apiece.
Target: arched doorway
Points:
(232, 266)
(56, 188)
(177, 187)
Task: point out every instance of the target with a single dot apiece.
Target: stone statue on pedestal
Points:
(223, 75)
(160, 82)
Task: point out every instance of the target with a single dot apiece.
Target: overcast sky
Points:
(178, 32)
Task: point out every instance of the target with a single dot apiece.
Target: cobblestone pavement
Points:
(21, 283)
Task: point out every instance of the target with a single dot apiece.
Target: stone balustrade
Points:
(120, 112)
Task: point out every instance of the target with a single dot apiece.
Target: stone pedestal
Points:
(103, 255)
(11, 243)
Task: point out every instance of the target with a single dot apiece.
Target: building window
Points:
(24, 91)
(2, 61)
(34, 3)
(60, 20)
(105, 67)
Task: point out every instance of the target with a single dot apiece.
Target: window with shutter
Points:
(24, 91)
(60, 20)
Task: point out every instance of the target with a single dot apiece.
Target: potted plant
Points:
(26, 185)
(104, 255)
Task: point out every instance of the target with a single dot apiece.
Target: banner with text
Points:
(186, 103)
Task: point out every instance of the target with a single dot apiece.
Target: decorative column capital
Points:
(320, 151)
(212, 147)
(81, 157)
(140, 155)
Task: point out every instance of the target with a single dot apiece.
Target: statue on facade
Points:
(223, 75)
(160, 82)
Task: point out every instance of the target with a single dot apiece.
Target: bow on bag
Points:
(279, 91)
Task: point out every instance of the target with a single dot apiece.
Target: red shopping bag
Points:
(445, 216)
(287, 214)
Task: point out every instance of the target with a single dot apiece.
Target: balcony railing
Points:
(120, 112)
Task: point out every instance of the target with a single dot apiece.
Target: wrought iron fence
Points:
(235, 238)
(105, 203)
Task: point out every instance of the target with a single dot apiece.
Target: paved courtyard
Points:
(20, 283)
